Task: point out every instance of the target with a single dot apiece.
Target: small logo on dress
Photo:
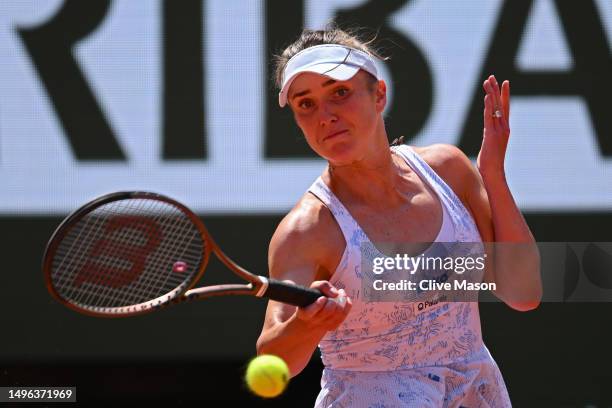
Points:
(421, 306)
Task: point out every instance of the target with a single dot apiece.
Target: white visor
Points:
(335, 61)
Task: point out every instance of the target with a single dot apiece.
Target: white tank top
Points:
(397, 354)
(378, 337)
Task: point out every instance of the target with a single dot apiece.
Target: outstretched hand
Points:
(496, 128)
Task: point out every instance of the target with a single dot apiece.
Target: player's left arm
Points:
(516, 266)
(517, 258)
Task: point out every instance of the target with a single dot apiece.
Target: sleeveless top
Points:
(399, 353)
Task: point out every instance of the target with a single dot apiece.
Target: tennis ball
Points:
(267, 376)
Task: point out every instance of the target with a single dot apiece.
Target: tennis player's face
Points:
(338, 118)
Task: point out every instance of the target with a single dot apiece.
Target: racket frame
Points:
(257, 285)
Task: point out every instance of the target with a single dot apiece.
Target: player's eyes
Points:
(341, 92)
(338, 93)
(305, 104)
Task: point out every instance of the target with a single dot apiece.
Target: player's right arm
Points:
(305, 247)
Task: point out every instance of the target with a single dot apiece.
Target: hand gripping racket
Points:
(129, 253)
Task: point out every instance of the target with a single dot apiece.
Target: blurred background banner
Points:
(176, 97)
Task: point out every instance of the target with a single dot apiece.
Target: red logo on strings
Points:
(103, 271)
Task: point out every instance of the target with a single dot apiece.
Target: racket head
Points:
(126, 253)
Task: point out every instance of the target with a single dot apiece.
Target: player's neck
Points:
(372, 181)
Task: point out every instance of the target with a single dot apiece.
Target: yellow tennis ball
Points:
(267, 376)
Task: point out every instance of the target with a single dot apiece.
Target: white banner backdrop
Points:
(553, 164)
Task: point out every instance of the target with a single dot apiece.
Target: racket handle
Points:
(291, 294)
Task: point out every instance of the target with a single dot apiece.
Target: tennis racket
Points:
(129, 253)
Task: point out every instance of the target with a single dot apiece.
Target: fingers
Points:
(496, 91)
(335, 311)
(488, 111)
(325, 287)
(329, 310)
(325, 312)
(499, 101)
(492, 88)
(505, 98)
(490, 121)
(309, 312)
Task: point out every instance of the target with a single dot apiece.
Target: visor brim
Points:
(339, 72)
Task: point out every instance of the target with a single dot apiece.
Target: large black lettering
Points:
(183, 86)
(411, 77)
(284, 22)
(412, 81)
(588, 78)
(51, 48)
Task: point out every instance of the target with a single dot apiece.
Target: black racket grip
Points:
(290, 293)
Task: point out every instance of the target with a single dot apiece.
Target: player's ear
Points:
(381, 95)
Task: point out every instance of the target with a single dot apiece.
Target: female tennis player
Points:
(387, 353)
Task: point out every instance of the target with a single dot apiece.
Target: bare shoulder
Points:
(307, 237)
(456, 169)
(450, 163)
(440, 155)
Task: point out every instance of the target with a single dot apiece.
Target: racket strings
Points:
(68, 263)
(122, 297)
(131, 236)
(177, 243)
(179, 240)
(135, 292)
(152, 282)
(80, 256)
(178, 248)
(94, 236)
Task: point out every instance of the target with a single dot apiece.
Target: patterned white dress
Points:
(401, 354)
